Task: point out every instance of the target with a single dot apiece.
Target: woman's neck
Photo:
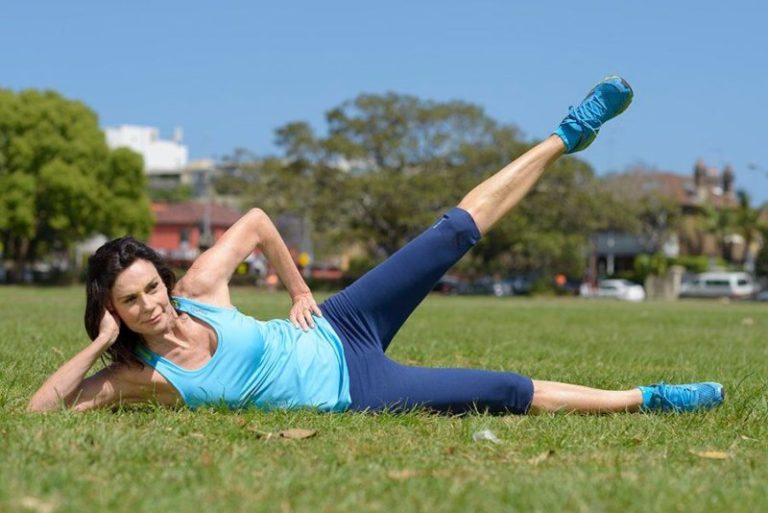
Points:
(174, 337)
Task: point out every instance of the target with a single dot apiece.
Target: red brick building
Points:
(180, 228)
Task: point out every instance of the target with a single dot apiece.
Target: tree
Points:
(549, 231)
(389, 163)
(408, 159)
(647, 211)
(761, 260)
(747, 224)
(61, 182)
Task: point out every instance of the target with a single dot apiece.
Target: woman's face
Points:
(140, 299)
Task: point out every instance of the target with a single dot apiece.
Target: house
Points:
(166, 161)
(700, 197)
(183, 230)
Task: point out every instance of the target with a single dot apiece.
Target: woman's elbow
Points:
(39, 407)
(261, 226)
(257, 215)
(41, 403)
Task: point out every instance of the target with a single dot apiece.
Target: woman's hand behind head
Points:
(109, 326)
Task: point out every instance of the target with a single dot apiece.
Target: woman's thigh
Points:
(378, 304)
(378, 383)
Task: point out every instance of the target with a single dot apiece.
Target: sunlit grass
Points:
(149, 459)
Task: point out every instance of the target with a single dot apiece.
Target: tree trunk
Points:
(19, 257)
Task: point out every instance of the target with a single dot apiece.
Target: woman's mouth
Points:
(155, 319)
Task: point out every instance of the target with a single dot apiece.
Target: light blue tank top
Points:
(265, 364)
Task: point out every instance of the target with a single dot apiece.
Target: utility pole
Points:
(206, 233)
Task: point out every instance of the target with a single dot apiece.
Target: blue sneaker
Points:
(680, 398)
(605, 101)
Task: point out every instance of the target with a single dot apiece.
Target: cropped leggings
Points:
(367, 315)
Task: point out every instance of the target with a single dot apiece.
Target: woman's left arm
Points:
(208, 278)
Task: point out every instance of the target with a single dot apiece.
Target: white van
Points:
(733, 285)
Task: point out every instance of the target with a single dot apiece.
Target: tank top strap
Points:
(208, 313)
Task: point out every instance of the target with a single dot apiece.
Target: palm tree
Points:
(747, 223)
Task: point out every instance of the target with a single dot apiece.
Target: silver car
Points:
(624, 290)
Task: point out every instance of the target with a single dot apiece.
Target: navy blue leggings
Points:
(367, 314)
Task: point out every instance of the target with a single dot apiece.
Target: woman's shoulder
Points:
(187, 291)
(189, 305)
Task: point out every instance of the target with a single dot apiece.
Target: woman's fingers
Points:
(302, 311)
(308, 318)
(301, 317)
(295, 318)
(110, 325)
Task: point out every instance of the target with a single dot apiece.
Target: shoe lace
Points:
(661, 395)
(592, 108)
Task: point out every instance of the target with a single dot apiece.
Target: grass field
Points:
(146, 459)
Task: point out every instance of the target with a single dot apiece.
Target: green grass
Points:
(158, 460)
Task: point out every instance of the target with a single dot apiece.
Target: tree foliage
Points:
(549, 230)
(389, 164)
(60, 181)
(647, 210)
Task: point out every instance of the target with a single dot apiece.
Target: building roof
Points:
(193, 213)
(681, 189)
(619, 243)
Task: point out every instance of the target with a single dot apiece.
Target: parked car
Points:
(763, 296)
(719, 284)
(449, 284)
(624, 290)
(489, 286)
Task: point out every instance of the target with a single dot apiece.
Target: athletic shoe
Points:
(605, 101)
(680, 398)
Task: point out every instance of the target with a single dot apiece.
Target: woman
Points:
(185, 343)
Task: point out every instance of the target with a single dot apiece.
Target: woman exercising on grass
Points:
(184, 342)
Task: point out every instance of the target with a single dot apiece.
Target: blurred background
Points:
(354, 125)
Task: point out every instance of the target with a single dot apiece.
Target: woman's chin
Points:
(156, 328)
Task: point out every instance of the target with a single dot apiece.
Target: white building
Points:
(161, 156)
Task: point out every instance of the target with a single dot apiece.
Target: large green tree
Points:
(409, 159)
(60, 181)
(388, 164)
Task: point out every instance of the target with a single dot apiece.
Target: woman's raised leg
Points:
(494, 198)
(379, 302)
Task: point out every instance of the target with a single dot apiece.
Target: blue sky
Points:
(230, 72)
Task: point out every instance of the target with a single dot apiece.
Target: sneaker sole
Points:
(721, 391)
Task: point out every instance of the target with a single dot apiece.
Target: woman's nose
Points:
(146, 302)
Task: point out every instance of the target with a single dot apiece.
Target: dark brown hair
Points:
(103, 268)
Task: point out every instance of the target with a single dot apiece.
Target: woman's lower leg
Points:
(550, 396)
(493, 198)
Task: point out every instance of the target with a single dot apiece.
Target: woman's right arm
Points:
(107, 387)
